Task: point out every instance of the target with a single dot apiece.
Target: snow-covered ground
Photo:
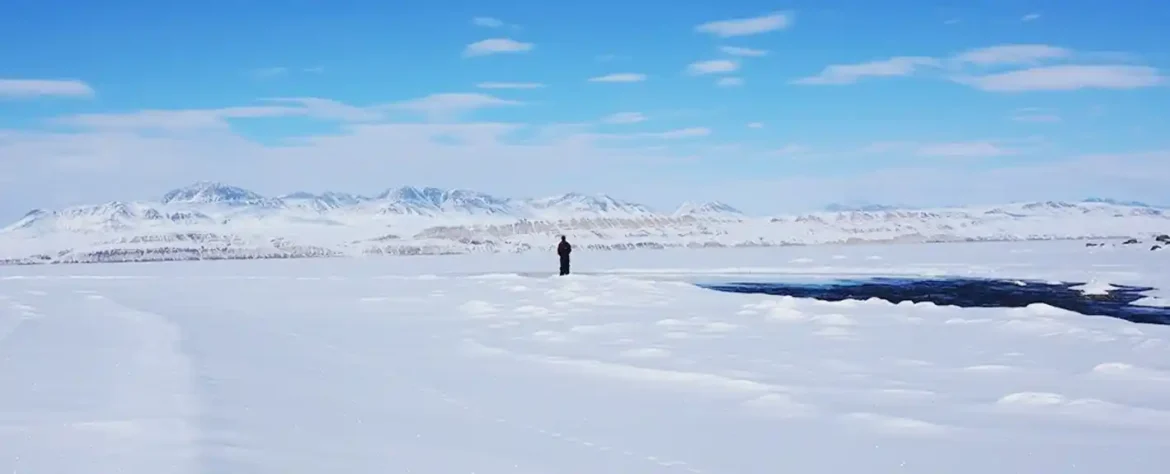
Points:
(482, 364)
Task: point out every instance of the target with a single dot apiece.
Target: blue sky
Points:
(770, 106)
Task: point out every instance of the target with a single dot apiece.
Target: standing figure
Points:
(563, 251)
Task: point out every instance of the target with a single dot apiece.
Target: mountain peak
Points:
(1117, 202)
(202, 192)
(707, 208)
(578, 202)
(860, 207)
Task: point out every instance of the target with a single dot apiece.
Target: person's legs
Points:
(564, 266)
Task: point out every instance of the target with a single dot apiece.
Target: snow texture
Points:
(487, 364)
(211, 221)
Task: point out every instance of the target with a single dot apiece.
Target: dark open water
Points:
(967, 293)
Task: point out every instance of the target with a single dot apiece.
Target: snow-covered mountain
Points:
(209, 220)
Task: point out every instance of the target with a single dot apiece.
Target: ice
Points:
(1095, 288)
(489, 365)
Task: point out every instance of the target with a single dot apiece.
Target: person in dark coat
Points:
(563, 251)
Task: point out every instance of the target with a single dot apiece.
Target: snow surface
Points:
(482, 364)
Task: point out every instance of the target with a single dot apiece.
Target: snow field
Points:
(430, 365)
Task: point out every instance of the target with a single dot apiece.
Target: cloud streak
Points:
(970, 68)
(496, 46)
(713, 66)
(746, 26)
(620, 77)
(1067, 78)
(510, 85)
(32, 88)
(841, 74)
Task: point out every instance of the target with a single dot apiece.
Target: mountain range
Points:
(209, 220)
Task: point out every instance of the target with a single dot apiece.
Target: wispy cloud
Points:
(434, 107)
(510, 85)
(622, 118)
(690, 132)
(756, 125)
(746, 26)
(961, 68)
(713, 66)
(729, 82)
(447, 106)
(1067, 78)
(213, 118)
(970, 149)
(1012, 54)
(492, 22)
(496, 46)
(738, 51)
(29, 88)
(174, 120)
(487, 22)
(791, 149)
(960, 149)
(1034, 115)
(1030, 17)
(840, 74)
(268, 72)
(620, 77)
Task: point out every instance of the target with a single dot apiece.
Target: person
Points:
(563, 251)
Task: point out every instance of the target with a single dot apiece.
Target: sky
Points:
(769, 106)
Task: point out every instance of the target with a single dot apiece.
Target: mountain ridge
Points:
(212, 220)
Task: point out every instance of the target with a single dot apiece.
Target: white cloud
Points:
(792, 149)
(737, 51)
(839, 74)
(624, 118)
(448, 105)
(268, 72)
(1012, 54)
(729, 82)
(28, 88)
(1067, 78)
(960, 149)
(46, 168)
(314, 70)
(676, 134)
(192, 119)
(487, 22)
(683, 133)
(329, 109)
(510, 85)
(755, 125)
(219, 118)
(1030, 17)
(620, 77)
(973, 149)
(496, 46)
(1138, 176)
(746, 26)
(713, 66)
(1034, 115)
(1060, 77)
(360, 157)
